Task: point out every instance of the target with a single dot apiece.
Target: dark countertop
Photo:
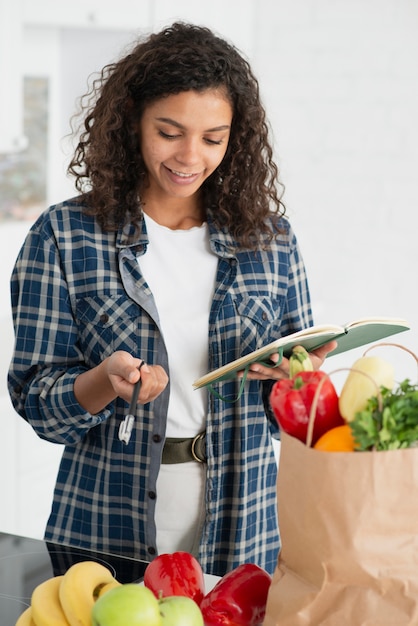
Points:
(25, 562)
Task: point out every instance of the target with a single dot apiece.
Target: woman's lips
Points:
(182, 178)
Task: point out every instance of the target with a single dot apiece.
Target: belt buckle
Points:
(198, 437)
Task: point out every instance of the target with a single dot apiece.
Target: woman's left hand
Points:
(258, 371)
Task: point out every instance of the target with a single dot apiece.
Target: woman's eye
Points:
(167, 135)
(213, 142)
(172, 137)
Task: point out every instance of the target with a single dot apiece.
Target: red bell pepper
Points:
(291, 401)
(175, 574)
(238, 599)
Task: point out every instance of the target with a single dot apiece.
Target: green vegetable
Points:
(389, 422)
(299, 361)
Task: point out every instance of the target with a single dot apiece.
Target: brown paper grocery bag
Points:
(349, 529)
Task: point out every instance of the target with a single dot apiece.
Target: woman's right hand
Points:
(116, 377)
(123, 372)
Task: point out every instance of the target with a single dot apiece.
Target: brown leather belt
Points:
(179, 450)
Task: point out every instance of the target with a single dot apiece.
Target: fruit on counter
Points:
(25, 619)
(136, 605)
(107, 587)
(337, 439)
(358, 387)
(175, 574)
(79, 590)
(291, 401)
(67, 600)
(128, 605)
(46, 606)
(238, 599)
(88, 595)
(180, 611)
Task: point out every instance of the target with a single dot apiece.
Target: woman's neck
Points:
(176, 214)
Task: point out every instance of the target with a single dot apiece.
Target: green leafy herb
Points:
(393, 424)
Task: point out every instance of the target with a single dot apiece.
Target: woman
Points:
(176, 257)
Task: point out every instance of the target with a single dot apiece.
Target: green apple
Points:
(180, 611)
(128, 604)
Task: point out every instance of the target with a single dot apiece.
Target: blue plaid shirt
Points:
(77, 296)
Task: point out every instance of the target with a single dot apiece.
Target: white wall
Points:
(340, 82)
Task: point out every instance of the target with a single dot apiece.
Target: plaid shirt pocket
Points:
(106, 323)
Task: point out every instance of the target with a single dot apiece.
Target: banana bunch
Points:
(68, 600)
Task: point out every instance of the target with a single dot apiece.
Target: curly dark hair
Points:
(107, 163)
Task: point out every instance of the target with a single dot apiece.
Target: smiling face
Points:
(183, 139)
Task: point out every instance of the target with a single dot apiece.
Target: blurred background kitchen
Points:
(339, 80)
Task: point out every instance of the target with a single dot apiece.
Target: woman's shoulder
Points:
(279, 222)
(71, 208)
(280, 227)
(276, 223)
(67, 216)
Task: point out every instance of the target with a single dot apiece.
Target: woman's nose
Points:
(188, 152)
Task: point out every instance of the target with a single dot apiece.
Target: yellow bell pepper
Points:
(358, 387)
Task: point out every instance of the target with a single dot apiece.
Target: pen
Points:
(125, 427)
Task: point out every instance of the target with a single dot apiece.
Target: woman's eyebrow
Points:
(168, 120)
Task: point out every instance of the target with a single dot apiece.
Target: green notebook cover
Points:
(349, 336)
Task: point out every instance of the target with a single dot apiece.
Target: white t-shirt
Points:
(180, 270)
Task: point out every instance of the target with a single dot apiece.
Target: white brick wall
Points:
(341, 86)
(340, 82)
